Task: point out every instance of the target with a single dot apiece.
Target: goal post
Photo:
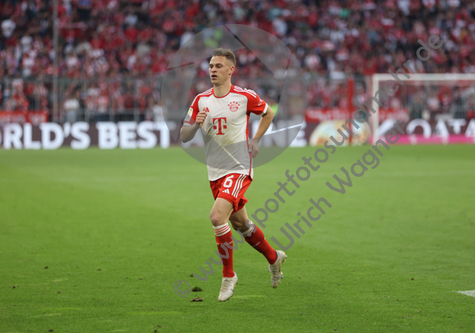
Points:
(466, 81)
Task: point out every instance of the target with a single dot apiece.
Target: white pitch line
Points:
(467, 292)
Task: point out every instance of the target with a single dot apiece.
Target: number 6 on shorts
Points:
(229, 181)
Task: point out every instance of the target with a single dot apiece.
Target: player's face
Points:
(220, 70)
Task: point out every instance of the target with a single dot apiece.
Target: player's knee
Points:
(215, 218)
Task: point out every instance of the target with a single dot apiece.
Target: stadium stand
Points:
(112, 51)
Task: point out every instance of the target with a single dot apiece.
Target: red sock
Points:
(223, 235)
(255, 237)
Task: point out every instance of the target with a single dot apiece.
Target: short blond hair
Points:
(227, 53)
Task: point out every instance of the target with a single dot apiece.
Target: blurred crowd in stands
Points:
(112, 43)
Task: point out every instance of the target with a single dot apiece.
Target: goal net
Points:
(433, 108)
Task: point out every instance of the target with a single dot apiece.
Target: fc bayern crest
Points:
(233, 106)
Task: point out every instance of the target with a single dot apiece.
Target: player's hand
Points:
(253, 147)
(200, 117)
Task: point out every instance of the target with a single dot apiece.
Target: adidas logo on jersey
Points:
(226, 191)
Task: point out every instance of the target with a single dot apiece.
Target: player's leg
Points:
(252, 234)
(255, 237)
(219, 217)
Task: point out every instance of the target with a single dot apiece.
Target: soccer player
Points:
(222, 114)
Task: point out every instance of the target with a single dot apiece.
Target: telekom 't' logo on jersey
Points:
(219, 123)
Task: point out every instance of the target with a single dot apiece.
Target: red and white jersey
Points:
(225, 130)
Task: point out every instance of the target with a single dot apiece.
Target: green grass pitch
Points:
(93, 241)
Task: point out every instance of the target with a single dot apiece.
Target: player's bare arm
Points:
(187, 132)
(264, 124)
